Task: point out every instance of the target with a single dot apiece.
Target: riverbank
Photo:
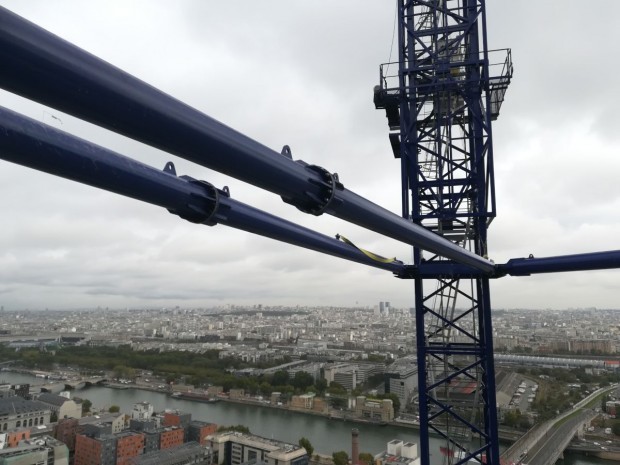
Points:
(505, 435)
(327, 435)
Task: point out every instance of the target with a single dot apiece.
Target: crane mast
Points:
(440, 99)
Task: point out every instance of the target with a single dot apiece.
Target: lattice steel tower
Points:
(440, 99)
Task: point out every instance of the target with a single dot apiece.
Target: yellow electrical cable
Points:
(372, 256)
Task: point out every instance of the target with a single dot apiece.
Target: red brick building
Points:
(66, 431)
(176, 418)
(170, 437)
(128, 445)
(88, 450)
(13, 437)
(199, 430)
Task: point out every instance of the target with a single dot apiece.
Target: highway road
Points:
(548, 440)
(550, 447)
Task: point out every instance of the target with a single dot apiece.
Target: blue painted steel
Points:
(578, 262)
(609, 259)
(422, 359)
(446, 101)
(29, 143)
(441, 270)
(40, 66)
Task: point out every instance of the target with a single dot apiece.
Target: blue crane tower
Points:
(440, 98)
(439, 104)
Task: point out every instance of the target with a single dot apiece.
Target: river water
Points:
(326, 435)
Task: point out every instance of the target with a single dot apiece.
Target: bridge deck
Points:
(545, 444)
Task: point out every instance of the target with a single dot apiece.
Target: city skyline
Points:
(302, 75)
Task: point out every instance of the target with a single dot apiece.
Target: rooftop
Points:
(13, 405)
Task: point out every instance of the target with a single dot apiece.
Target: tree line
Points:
(177, 367)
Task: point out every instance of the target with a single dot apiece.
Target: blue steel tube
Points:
(43, 67)
(36, 145)
(578, 262)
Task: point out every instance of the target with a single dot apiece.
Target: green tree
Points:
(336, 388)
(302, 380)
(524, 422)
(265, 388)
(280, 378)
(366, 458)
(340, 458)
(306, 444)
(358, 391)
(114, 409)
(30, 358)
(86, 405)
(238, 428)
(252, 386)
(604, 400)
(122, 371)
(321, 386)
(338, 402)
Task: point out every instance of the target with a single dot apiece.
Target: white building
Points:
(61, 405)
(244, 447)
(142, 411)
(399, 453)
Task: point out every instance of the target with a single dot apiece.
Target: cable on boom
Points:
(372, 256)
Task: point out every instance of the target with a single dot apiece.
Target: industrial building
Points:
(399, 453)
(401, 378)
(45, 450)
(234, 448)
(190, 453)
(16, 412)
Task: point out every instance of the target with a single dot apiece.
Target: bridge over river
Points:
(545, 443)
(62, 385)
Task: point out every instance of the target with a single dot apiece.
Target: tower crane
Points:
(440, 101)
(440, 98)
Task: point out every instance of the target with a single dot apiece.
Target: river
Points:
(326, 435)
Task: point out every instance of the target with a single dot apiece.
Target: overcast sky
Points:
(302, 73)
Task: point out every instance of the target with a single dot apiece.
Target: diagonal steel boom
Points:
(36, 145)
(43, 67)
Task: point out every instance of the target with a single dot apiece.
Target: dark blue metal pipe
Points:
(36, 145)
(577, 262)
(516, 266)
(40, 66)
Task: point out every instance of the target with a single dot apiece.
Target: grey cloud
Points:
(302, 74)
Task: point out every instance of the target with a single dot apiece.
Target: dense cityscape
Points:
(380, 328)
(193, 111)
(352, 364)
